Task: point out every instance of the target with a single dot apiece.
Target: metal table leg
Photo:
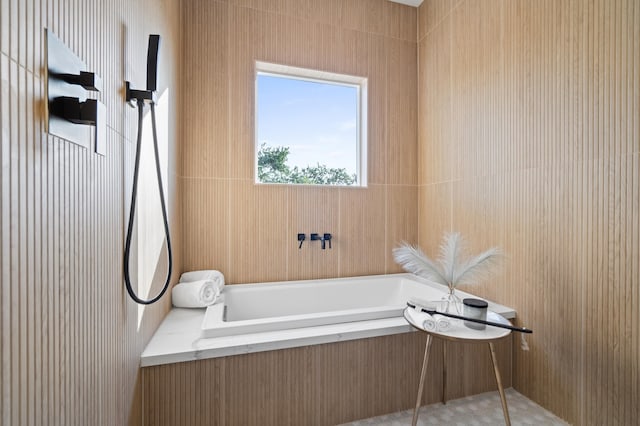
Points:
(423, 374)
(503, 399)
(444, 371)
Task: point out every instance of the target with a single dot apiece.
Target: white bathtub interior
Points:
(254, 308)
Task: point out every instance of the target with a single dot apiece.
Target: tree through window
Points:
(309, 127)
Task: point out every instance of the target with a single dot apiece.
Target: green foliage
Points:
(272, 164)
(273, 168)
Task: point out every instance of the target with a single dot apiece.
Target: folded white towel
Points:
(194, 294)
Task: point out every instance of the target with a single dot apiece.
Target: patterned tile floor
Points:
(482, 409)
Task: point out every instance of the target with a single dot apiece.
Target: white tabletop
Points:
(459, 331)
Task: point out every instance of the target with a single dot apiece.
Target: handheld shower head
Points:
(152, 62)
(152, 74)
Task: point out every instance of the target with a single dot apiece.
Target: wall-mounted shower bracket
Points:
(137, 95)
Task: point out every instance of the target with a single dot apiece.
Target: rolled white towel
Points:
(430, 323)
(442, 323)
(194, 294)
(212, 275)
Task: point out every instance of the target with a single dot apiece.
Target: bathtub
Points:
(257, 308)
(254, 318)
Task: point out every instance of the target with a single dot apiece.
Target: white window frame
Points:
(306, 74)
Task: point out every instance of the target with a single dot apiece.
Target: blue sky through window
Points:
(317, 121)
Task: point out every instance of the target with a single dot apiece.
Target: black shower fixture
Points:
(140, 97)
(152, 74)
(67, 87)
(326, 237)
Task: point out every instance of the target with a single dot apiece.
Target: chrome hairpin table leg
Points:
(423, 374)
(503, 398)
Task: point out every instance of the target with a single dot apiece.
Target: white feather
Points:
(412, 259)
(481, 267)
(449, 255)
(450, 270)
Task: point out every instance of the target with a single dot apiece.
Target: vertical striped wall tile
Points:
(262, 221)
(543, 101)
(70, 337)
(401, 221)
(306, 385)
(313, 210)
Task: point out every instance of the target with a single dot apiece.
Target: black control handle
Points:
(326, 237)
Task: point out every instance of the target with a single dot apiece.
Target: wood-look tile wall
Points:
(71, 340)
(529, 138)
(249, 231)
(316, 385)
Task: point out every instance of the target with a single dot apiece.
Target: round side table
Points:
(458, 332)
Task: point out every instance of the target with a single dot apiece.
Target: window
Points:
(310, 127)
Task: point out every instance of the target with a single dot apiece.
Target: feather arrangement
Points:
(453, 267)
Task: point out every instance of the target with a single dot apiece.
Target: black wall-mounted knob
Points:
(326, 237)
(90, 112)
(301, 238)
(88, 80)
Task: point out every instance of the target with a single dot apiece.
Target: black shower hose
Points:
(132, 210)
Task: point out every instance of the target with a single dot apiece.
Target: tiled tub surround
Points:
(270, 316)
(321, 384)
(323, 374)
